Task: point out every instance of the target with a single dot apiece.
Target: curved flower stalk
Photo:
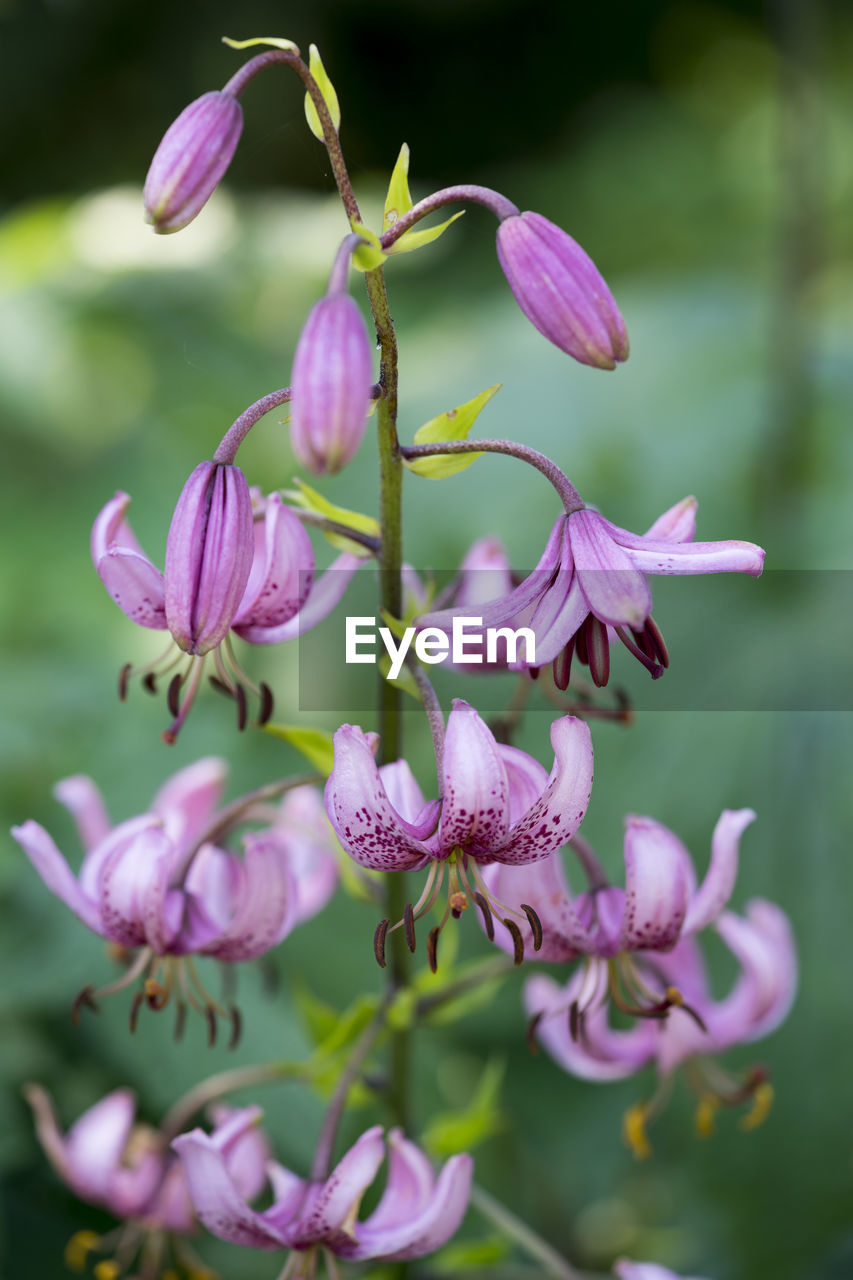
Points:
(590, 586)
(759, 1000)
(161, 888)
(235, 562)
(110, 1160)
(497, 805)
(627, 1270)
(416, 1215)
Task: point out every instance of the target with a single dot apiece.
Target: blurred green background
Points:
(703, 154)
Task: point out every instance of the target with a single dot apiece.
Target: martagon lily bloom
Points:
(498, 805)
(110, 1160)
(760, 999)
(416, 1214)
(590, 586)
(160, 886)
(235, 561)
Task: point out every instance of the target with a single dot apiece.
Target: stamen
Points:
(138, 1001)
(87, 998)
(654, 669)
(123, 677)
(760, 1109)
(180, 1019)
(562, 666)
(267, 704)
(598, 650)
(409, 926)
(149, 682)
(242, 713)
(220, 686)
(236, 1027)
(634, 1130)
(379, 942)
(485, 911)
(432, 948)
(706, 1113)
(574, 1021)
(210, 1014)
(107, 1270)
(580, 645)
(173, 694)
(535, 925)
(517, 941)
(79, 1247)
(651, 642)
(156, 994)
(197, 667)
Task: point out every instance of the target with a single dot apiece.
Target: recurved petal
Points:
(84, 802)
(763, 943)
(716, 889)
(134, 881)
(475, 807)
(56, 874)
(599, 1053)
(282, 569)
(96, 1142)
(329, 1204)
(218, 1203)
(417, 1214)
(656, 886)
(615, 589)
(678, 524)
(662, 555)
(527, 779)
(371, 830)
(111, 529)
(326, 593)
(136, 586)
(187, 802)
(263, 903)
(557, 814)
(247, 1151)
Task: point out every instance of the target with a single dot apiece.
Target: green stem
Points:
(525, 1237)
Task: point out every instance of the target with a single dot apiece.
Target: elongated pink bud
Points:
(331, 385)
(191, 159)
(561, 291)
(208, 556)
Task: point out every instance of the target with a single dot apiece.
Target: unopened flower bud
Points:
(331, 385)
(208, 556)
(191, 159)
(561, 291)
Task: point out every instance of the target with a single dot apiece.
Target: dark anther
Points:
(138, 1001)
(157, 996)
(242, 714)
(379, 941)
(533, 672)
(409, 926)
(180, 1019)
(563, 666)
(485, 911)
(173, 695)
(697, 1017)
(236, 1026)
(221, 687)
(84, 999)
(123, 677)
(267, 704)
(210, 1014)
(574, 1021)
(580, 645)
(517, 942)
(535, 925)
(432, 949)
(149, 682)
(532, 1028)
(598, 650)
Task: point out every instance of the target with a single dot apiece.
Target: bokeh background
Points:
(703, 153)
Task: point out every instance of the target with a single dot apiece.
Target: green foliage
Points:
(453, 424)
(327, 89)
(449, 1132)
(314, 744)
(310, 500)
(470, 1255)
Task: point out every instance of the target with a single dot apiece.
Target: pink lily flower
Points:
(627, 1270)
(161, 886)
(109, 1160)
(235, 561)
(590, 585)
(498, 805)
(416, 1214)
(759, 1000)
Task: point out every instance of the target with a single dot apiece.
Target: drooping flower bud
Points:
(208, 556)
(191, 159)
(561, 291)
(332, 378)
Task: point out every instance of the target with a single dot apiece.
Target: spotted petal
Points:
(282, 571)
(475, 810)
(656, 886)
(557, 814)
(327, 1213)
(716, 889)
(326, 593)
(218, 1203)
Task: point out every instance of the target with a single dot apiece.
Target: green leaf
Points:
(405, 680)
(413, 239)
(314, 744)
(318, 71)
(320, 1018)
(277, 42)
(470, 1255)
(398, 200)
(452, 425)
(450, 1132)
(367, 257)
(310, 500)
